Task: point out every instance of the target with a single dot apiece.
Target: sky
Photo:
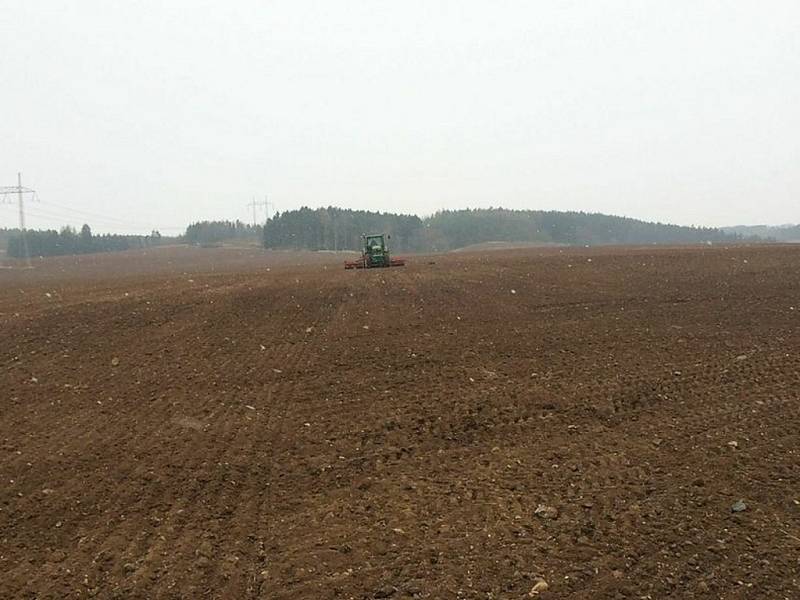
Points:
(138, 115)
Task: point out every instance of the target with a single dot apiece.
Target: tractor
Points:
(374, 253)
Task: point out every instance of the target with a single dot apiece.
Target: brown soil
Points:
(186, 423)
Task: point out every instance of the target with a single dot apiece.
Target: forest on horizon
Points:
(335, 229)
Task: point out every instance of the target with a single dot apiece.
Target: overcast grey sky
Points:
(133, 115)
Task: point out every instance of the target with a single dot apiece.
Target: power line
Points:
(61, 216)
(93, 215)
(47, 212)
(64, 214)
(60, 212)
(69, 221)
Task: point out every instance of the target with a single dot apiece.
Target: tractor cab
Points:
(375, 250)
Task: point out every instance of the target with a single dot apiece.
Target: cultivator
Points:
(374, 254)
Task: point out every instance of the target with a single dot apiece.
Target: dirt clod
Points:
(546, 512)
(540, 586)
(386, 591)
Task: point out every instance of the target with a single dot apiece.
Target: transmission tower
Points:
(7, 192)
(265, 204)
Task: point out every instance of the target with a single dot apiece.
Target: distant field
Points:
(484, 246)
(234, 423)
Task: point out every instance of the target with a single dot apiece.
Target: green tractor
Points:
(374, 254)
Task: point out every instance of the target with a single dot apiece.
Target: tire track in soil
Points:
(293, 361)
(183, 513)
(275, 502)
(307, 575)
(237, 564)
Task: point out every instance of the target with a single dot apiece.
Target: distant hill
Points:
(778, 233)
(336, 229)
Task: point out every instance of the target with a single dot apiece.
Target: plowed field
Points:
(212, 423)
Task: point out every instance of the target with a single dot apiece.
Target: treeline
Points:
(70, 241)
(337, 229)
(213, 232)
(5, 236)
(464, 227)
(777, 233)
